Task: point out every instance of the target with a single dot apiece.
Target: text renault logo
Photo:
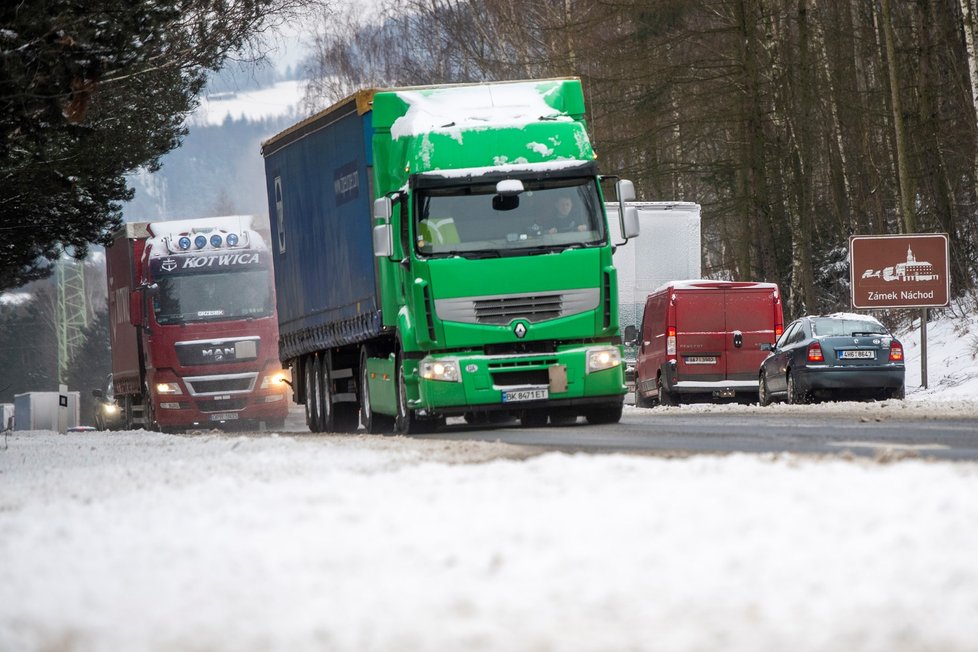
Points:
(520, 330)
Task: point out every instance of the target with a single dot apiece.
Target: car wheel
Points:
(795, 395)
(899, 393)
(763, 393)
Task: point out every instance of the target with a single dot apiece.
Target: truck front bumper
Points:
(573, 375)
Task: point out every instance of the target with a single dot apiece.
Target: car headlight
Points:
(603, 358)
(440, 369)
(275, 380)
(168, 388)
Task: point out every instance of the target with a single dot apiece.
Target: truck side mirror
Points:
(629, 222)
(382, 234)
(97, 393)
(136, 307)
(630, 334)
(625, 190)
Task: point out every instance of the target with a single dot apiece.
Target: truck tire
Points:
(406, 423)
(604, 415)
(149, 417)
(375, 424)
(310, 392)
(324, 395)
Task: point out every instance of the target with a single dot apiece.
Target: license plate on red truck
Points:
(224, 416)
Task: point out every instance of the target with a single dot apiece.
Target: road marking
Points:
(886, 445)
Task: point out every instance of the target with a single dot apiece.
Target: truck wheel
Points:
(763, 394)
(325, 393)
(149, 417)
(310, 391)
(604, 415)
(374, 423)
(405, 423)
(534, 419)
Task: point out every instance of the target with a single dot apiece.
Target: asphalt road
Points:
(666, 432)
(678, 432)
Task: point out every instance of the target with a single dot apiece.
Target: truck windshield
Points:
(183, 298)
(548, 215)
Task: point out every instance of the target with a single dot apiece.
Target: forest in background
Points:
(795, 123)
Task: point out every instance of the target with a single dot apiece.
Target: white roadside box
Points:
(6, 416)
(40, 410)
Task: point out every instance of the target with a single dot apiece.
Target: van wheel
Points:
(763, 393)
(643, 401)
(795, 395)
(666, 397)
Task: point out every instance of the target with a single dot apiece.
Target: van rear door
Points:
(751, 317)
(700, 335)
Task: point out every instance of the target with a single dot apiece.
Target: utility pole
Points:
(71, 312)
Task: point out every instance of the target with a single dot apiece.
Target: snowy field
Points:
(143, 541)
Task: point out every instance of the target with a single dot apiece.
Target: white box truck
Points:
(669, 250)
(39, 410)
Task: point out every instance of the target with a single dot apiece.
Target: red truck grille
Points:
(203, 385)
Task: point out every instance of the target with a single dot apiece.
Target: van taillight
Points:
(778, 330)
(815, 352)
(671, 341)
(896, 351)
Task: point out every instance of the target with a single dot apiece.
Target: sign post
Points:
(901, 271)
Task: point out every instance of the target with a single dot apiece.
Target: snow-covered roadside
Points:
(142, 541)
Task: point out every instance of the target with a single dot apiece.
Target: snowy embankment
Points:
(143, 541)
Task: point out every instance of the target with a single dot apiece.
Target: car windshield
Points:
(242, 294)
(828, 327)
(473, 221)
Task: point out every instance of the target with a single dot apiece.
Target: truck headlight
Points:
(168, 388)
(275, 380)
(441, 369)
(110, 408)
(603, 358)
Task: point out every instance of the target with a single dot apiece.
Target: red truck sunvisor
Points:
(209, 263)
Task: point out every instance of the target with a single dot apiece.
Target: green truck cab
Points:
(490, 292)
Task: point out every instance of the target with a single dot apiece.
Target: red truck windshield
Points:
(239, 294)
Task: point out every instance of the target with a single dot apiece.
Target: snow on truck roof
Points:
(451, 109)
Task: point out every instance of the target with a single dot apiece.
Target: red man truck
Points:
(193, 329)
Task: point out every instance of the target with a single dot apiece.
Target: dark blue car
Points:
(843, 356)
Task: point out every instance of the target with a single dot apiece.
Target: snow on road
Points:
(144, 541)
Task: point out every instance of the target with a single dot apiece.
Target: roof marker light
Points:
(232, 239)
(200, 241)
(184, 243)
(216, 240)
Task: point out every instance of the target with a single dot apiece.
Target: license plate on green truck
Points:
(518, 395)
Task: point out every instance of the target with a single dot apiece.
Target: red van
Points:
(702, 339)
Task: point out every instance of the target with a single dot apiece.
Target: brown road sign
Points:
(899, 271)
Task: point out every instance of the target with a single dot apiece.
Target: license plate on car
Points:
(857, 355)
(517, 395)
(224, 416)
(700, 359)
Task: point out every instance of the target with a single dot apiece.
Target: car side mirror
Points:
(766, 346)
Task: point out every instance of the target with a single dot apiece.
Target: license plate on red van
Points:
(700, 359)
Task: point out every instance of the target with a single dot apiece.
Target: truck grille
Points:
(237, 349)
(222, 405)
(231, 383)
(504, 308)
